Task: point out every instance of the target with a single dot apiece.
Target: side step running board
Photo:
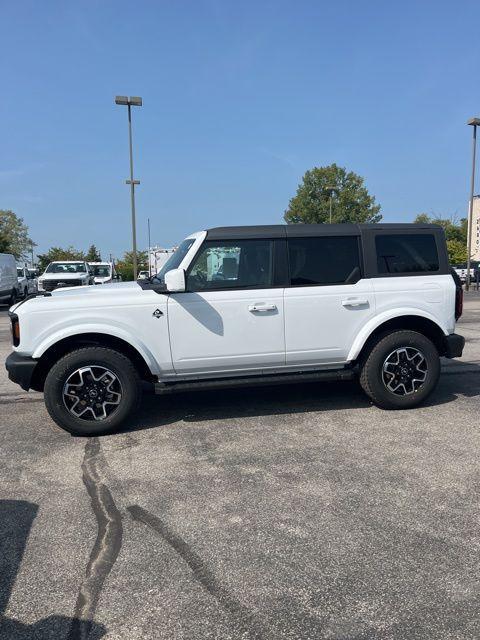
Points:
(165, 388)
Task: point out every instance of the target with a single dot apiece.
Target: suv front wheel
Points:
(401, 370)
(91, 391)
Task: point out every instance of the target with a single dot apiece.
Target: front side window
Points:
(323, 261)
(239, 264)
(174, 260)
(402, 253)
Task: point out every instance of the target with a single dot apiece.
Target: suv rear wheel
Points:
(91, 391)
(401, 370)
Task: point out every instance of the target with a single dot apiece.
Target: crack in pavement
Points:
(244, 618)
(107, 544)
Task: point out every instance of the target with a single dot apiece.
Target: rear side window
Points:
(323, 261)
(402, 253)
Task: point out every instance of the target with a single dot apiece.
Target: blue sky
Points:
(240, 99)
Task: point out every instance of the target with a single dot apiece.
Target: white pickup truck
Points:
(461, 271)
(27, 281)
(248, 306)
(65, 273)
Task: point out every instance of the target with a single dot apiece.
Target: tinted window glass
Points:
(239, 264)
(406, 253)
(319, 261)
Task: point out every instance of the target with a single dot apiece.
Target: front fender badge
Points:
(157, 313)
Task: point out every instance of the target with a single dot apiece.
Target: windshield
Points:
(101, 270)
(66, 267)
(175, 259)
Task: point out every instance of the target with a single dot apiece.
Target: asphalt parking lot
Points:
(280, 513)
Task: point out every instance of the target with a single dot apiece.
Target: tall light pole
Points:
(474, 122)
(133, 101)
(332, 191)
(149, 251)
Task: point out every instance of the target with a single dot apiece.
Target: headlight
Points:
(40, 284)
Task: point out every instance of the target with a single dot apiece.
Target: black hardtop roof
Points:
(302, 230)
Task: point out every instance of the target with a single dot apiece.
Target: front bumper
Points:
(454, 345)
(20, 369)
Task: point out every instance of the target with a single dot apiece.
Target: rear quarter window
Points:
(406, 253)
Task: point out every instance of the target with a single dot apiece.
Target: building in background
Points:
(158, 257)
(476, 228)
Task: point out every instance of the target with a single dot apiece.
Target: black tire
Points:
(372, 376)
(13, 298)
(114, 362)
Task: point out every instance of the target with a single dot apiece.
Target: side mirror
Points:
(175, 280)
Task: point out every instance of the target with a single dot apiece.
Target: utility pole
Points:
(474, 122)
(129, 102)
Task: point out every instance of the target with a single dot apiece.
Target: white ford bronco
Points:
(245, 306)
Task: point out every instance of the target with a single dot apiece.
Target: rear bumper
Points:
(454, 345)
(20, 369)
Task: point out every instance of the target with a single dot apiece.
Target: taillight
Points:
(458, 294)
(15, 326)
(458, 302)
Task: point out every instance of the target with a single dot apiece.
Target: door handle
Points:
(354, 302)
(259, 308)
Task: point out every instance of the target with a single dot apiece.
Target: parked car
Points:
(27, 282)
(67, 273)
(8, 279)
(143, 275)
(103, 272)
(238, 306)
(461, 270)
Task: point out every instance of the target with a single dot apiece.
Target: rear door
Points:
(328, 300)
(231, 317)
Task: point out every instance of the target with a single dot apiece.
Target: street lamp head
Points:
(133, 101)
(475, 122)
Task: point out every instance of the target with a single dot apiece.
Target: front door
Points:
(230, 318)
(327, 302)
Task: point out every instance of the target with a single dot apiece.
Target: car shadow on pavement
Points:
(16, 520)
(460, 379)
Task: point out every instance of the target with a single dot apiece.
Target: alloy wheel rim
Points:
(404, 371)
(92, 393)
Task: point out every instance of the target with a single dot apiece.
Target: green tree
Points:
(93, 254)
(457, 251)
(124, 267)
(332, 185)
(57, 253)
(4, 244)
(14, 232)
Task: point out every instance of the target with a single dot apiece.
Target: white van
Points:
(104, 272)
(8, 279)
